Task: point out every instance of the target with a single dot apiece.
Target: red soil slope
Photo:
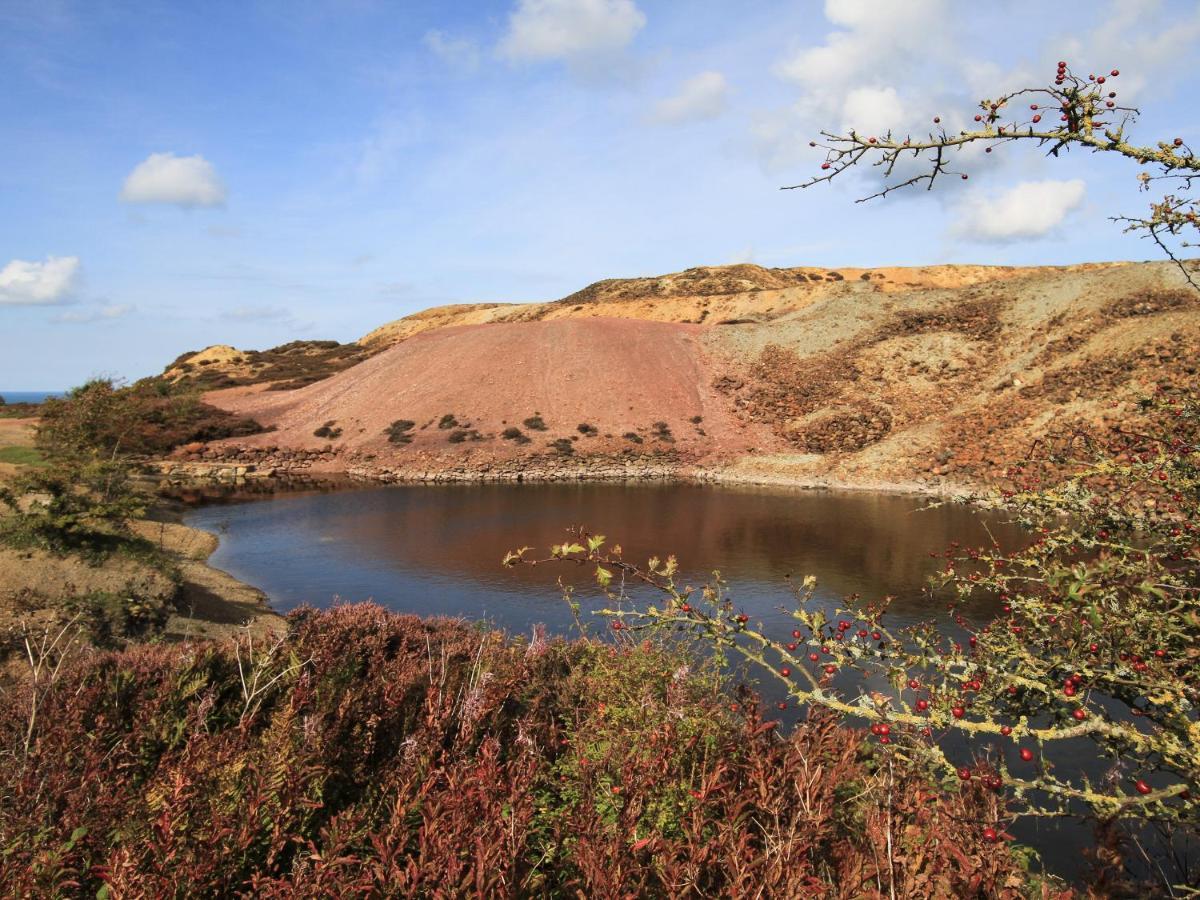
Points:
(619, 376)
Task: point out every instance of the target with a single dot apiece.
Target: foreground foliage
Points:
(382, 755)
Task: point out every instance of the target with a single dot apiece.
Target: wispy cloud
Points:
(702, 96)
(100, 314)
(588, 35)
(460, 54)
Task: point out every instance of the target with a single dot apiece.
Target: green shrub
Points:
(589, 430)
(328, 430)
(512, 433)
(535, 423)
(633, 437)
(563, 446)
(399, 432)
(447, 421)
(110, 619)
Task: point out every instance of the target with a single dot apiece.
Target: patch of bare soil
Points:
(571, 386)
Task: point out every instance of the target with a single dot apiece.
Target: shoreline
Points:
(211, 603)
(240, 472)
(221, 595)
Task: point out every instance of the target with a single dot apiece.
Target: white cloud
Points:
(877, 70)
(570, 30)
(178, 180)
(701, 97)
(1030, 209)
(83, 316)
(461, 54)
(25, 283)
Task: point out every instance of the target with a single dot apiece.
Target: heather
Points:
(368, 753)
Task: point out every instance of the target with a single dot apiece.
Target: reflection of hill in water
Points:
(370, 542)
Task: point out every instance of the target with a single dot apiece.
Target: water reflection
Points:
(437, 549)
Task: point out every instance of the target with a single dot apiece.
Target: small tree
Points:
(1072, 112)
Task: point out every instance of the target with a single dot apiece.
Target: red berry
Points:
(1026, 754)
(813, 657)
(829, 670)
(965, 177)
(1178, 142)
(922, 705)
(1141, 787)
(1080, 714)
(964, 774)
(913, 684)
(1069, 689)
(791, 648)
(979, 118)
(824, 165)
(1006, 730)
(936, 120)
(958, 712)
(1115, 72)
(781, 705)
(785, 672)
(1037, 119)
(796, 634)
(989, 835)
(1094, 648)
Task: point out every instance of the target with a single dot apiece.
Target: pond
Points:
(436, 550)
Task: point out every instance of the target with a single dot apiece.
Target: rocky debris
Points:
(1151, 301)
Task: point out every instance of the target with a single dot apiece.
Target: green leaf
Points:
(603, 576)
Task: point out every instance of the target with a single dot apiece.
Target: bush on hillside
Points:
(102, 419)
(375, 754)
(400, 431)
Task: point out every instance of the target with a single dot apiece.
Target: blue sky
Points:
(177, 175)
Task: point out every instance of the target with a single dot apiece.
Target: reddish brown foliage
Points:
(403, 757)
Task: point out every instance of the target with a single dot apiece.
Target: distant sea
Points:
(29, 396)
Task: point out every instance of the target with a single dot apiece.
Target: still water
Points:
(436, 550)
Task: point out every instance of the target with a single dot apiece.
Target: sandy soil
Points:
(618, 376)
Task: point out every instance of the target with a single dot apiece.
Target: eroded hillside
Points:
(936, 376)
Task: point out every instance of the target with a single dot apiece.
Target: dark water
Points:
(436, 550)
(29, 396)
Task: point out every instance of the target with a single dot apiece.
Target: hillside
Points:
(939, 375)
